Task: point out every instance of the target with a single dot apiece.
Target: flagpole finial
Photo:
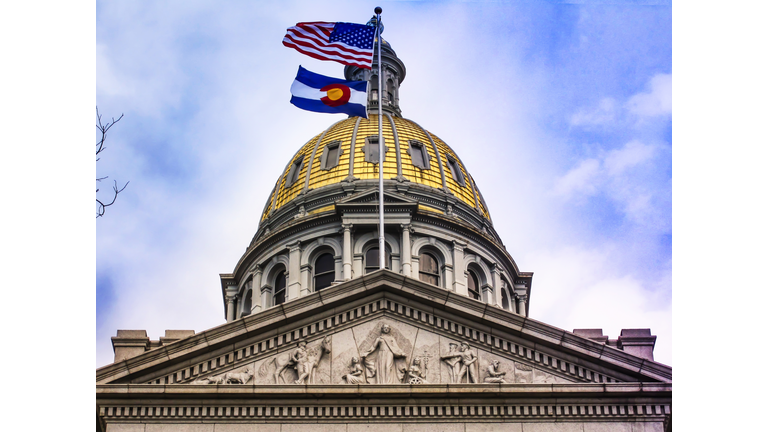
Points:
(377, 11)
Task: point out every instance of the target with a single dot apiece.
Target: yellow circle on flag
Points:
(335, 94)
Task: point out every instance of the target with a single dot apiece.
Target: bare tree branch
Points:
(103, 128)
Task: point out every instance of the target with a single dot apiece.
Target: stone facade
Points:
(317, 338)
(400, 329)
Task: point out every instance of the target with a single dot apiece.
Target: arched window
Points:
(504, 299)
(473, 286)
(247, 303)
(279, 293)
(372, 259)
(429, 269)
(325, 271)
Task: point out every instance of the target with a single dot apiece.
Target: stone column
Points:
(346, 252)
(487, 294)
(357, 265)
(459, 273)
(256, 305)
(521, 306)
(293, 287)
(266, 296)
(496, 272)
(306, 271)
(405, 247)
(230, 307)
(338, 269)
(448, 274)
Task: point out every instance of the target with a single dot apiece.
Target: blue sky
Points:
(562, 113)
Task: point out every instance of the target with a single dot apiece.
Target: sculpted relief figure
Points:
(417, 374)
(467, 361)
(238, 377)
(228, 378)
(384, 361)
(454, 361)
(303, 360)
(356, 375)
(494, 375)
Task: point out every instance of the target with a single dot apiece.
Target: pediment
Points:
(370, 197)
(427, 327)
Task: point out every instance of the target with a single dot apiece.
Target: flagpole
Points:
(382, 247)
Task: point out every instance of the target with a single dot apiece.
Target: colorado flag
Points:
(319, 93)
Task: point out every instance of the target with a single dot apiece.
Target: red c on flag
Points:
(338, 94)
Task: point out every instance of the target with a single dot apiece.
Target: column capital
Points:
(347, 226)
(293, 247)
(407, 227)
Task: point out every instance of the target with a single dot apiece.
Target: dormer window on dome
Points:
(371, 149)
(419, 154)
(293, 173)
(456, 171)
(330, 156)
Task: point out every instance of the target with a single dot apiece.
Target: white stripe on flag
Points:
(302, 90)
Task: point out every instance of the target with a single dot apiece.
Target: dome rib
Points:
(399, 177)
(351, 177)
(437, 153)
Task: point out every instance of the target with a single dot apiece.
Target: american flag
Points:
(346, 43)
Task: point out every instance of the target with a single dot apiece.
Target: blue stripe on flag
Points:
(318, 81)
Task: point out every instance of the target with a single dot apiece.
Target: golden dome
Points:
(397, 132)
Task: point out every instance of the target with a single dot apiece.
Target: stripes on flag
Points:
(314, 39)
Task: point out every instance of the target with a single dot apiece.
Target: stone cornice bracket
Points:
(293, 247)
(459, 244)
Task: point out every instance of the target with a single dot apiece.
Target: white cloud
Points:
(604, 113)
(582, 179)
(654, 102)
(622, 175)
(632, 154)
(657, 101)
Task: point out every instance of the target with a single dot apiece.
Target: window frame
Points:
(455, 168)
(279, 276)
(472, 276)
(438, 275)
(387, 258)
(418, 146)
(372, 141)
(294, 172)
(325, 163)
(331, 271)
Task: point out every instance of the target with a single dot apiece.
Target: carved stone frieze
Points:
(356, 374)
(303, 361)
(242, 377)
(463, 364)
(494, 374)
(385, 359)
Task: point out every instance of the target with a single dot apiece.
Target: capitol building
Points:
(317, 337)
